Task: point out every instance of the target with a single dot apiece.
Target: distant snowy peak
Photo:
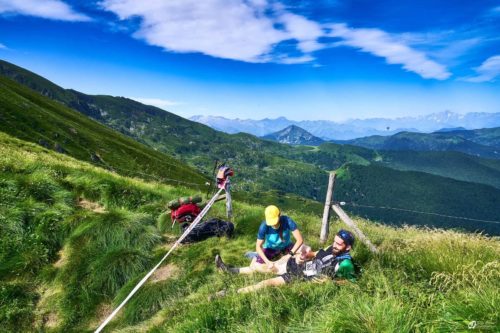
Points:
(441, 117)
(356, 128)
(232, 126)
(294, 135)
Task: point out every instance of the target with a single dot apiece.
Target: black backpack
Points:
(213, 227)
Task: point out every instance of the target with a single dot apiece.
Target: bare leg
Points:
(253, 268)
(278, 269)
(277, 281)
(260, 268)
(279, 266)
(246, 270)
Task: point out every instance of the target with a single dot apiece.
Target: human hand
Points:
(270, 265)
(304, 252)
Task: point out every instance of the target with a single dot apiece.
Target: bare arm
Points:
(298, 240)
(305, 255)
(260, 251)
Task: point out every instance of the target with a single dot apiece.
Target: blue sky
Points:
(310, 59)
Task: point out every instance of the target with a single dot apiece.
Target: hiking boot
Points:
(220, 264)
(219, 294)
(223, 267)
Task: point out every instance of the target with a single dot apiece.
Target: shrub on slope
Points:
(74, 264)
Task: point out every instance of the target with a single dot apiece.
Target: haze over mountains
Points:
(96, 145)
(267, 171)
(356, 128)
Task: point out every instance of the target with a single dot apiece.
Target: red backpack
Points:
(222, 175)
(185, 213)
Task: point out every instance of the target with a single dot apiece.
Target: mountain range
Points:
(481, 142)
(76, 239)
(294, 135)
(265, 170)
(355, 128)
(261, 164)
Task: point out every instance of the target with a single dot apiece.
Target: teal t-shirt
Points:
(272, 236)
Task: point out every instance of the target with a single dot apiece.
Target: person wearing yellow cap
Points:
(273, 241)
(334, 262)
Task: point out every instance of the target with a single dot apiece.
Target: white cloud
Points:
(305, 31)
(252, 30)
(488, 70)
(310, 46)
(49, 9)
(158, 102)
(457, 48)
(261, 4)
(295, 60)
(230, 29)
(382, 44)
(3, 46)
(447, 46)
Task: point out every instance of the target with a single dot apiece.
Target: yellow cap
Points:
(272, 215)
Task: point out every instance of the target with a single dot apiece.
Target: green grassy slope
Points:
(64, 265)
(378, 186)
(482, 143)
(331, 156)
(263, 168)
(485, 136)
(261, 165)
(447, 164)
(30, 116)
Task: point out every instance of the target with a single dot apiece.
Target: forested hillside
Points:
(264, 170)
(481, 142)
(76, 238)
(29, 116)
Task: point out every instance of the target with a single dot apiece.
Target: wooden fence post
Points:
(229, 202)
(326, 212)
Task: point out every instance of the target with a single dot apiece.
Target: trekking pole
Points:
(213, 174)
(223, 182)
(144, 279)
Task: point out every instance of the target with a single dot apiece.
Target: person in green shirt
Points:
(334, 262)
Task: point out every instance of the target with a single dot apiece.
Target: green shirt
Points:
(325, 264)
(345, 270)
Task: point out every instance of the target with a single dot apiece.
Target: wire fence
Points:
(353, 204)
(210, 185)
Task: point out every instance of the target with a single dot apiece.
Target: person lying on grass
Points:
(273, 241)
(334, 262)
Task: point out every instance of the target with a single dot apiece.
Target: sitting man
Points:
(273, 241)
(333, 262)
